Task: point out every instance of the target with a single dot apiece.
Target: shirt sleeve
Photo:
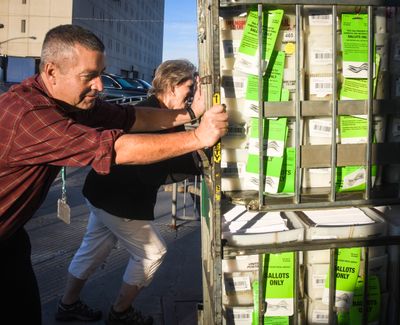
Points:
(46, 136)
(106, 115)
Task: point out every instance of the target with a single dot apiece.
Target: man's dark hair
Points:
(59, 43)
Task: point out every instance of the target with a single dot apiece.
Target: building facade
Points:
(132, 31)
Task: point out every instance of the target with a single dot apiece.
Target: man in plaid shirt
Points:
(55, 119)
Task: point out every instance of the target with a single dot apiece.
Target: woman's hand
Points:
(198, 104)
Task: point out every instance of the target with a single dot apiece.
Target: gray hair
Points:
(59, 43)
(171, 73)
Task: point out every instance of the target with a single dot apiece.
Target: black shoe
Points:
(76, 311)
(128, 317)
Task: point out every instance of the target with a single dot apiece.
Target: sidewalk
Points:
(171, 298)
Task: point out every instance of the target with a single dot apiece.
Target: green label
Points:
(347, 269)
(353, 127)
(279, 275)
(249, 41)
(279, 283)
(355, 315)
(272, 81)
(358, 88)
(274, 76)
(277, 320)
(285, 95)
(268, 320)
(271, 20)
(252, 88)
(355, 45)
(355, 37)
(274, 167)
(355, 89)
(255, 287)
(287, 177)
(275, 132)
(374, 301)
(253, 131)
(252, 165)
(353, 178)
(343, 318)
(272, 171)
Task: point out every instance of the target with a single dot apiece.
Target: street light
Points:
(21, 37)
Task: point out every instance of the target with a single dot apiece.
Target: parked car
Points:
(120, 90)
(139, 83)
(4, 86)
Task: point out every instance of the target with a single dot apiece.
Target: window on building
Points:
(24, 2)
(117, 47)
(23, 26)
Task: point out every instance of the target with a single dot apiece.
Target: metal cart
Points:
(214, 247)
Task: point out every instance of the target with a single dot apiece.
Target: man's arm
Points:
(150, 148)
(153, 119)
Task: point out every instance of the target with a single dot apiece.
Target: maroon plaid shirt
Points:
(38, 136)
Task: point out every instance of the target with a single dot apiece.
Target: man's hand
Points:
(213, 125)
(198, 104)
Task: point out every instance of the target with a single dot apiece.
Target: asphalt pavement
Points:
(173, 296)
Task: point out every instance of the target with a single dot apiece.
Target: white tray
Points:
(376, 229)
(295, 233)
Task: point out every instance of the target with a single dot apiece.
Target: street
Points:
(171, 298)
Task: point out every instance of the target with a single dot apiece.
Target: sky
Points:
(180, 30)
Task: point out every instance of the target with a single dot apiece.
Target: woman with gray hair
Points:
(122, 205)
(171, 74)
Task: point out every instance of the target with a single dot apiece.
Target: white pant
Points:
(140, 238)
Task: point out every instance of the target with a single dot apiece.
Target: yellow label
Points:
(217, 152)
(216, 99)
(217, 147)
(217, 193)
(290, 48)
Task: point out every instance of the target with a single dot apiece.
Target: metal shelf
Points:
(224, 3)
(214, 248)
(299, 246)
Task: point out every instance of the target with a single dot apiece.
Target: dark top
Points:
(39, 135)
(131, 191)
